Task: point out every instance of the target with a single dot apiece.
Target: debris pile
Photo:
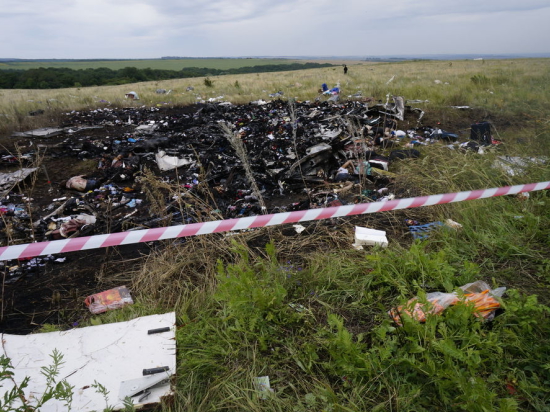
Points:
(308, 152)
(115, 169)
(149, 166)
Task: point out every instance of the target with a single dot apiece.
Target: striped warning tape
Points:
(195, 229)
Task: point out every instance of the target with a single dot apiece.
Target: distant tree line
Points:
(55, 78)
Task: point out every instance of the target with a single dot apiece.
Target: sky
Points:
(91, 29)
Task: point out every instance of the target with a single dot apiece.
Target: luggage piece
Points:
(481, 132)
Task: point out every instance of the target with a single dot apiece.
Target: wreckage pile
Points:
(154, 166)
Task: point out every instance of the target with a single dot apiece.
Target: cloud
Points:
(153, 28)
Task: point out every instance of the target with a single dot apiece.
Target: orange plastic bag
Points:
(479, 293)
(438, 302)
(484, 303)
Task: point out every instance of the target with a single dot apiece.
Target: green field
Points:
(144, 64)
(309, 310)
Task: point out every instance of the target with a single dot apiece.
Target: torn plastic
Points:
(43, 132)
(166, 162)
(422, 232)
(263, 386)
(515, 165)
(132, 96)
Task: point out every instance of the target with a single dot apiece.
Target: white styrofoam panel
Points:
(108, 354)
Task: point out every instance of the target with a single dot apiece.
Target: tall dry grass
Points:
(504, 87)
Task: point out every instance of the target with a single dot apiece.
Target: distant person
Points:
(345, 69)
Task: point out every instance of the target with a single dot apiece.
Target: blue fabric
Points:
(423, 231)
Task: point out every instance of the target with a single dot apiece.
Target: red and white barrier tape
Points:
(194, 229)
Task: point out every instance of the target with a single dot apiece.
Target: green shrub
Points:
(208, 82)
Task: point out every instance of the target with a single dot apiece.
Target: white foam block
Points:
(370, 237)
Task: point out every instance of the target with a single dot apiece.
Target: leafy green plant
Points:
(102, 390)
(480, 79)
(59, 390)
(252, 293)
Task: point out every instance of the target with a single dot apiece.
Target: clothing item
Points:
(80, 183)
(363, 168)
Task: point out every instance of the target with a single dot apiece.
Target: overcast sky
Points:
(83, 29)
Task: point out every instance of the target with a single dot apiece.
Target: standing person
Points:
(345, 69)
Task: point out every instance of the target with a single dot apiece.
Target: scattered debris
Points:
(452, 224)
(295, 153)
(131, 96)
(263, 386)
(43, 132)
(423, 231)
(514, 165)
(292, 148)
(9, 180)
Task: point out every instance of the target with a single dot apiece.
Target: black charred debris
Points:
(294, 151)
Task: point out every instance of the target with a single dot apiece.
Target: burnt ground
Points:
(53, 293)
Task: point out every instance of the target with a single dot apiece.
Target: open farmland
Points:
(306, 308)
(163, 64)
(505, 88)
